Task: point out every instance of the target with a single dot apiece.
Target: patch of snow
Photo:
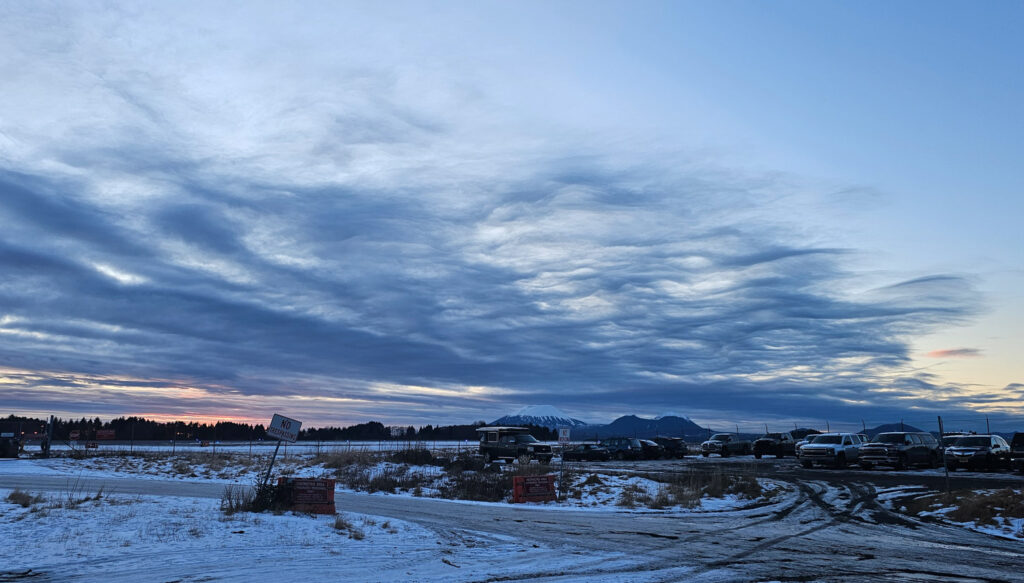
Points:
(167, 538)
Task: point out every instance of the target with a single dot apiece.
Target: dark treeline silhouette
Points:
(141, 429)
(138, 428)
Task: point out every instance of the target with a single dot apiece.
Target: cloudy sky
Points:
(742, 212)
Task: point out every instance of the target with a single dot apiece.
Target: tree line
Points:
(141, 429)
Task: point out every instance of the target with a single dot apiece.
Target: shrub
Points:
(411, 456)
(259, 498)
(343, 525)
(482, 486)
(342, 458)
(24, 499)
(463, 462)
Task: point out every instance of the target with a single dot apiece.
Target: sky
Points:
(747, 213)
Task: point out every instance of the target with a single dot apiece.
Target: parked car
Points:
(9, 446)
(1017, 452)
(978, 451)
(586, 452)
(674, 446)
(777, 444)
(833, 449)
(803, 437)
(951, 436)
(900, 449)
(652, 450)
(724, 444)
(511, 443)
(624, 448)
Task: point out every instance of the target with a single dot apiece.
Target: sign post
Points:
(941, 432)
(282, 429)
(563, 440)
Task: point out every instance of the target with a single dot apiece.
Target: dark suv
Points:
(510, 443)
(900, 449)
(1017, 452)
(977, 451)
(624, 448)
(674, 446)
(776, 444)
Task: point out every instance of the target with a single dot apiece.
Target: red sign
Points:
(74, 436)
(105, 434)
(314, 495)
(533, 488)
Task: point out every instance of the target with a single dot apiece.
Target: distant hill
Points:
(633, 426)
(540, 415)
(891, 427)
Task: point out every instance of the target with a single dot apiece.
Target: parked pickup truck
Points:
(777, 444)
(1017, 452)
(900, 449)
(833, 449)
(724, 444)
(511, 443)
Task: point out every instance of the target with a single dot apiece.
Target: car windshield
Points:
(526, 439)
(772, 436)
(972, 441)
(889, 438)
(720, 437)
(827, 439)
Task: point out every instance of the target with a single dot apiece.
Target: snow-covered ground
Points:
(588, 490)
(82, 535)
(143, 538)
(998, 524)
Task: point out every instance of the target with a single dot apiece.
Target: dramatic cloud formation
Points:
(196, 235)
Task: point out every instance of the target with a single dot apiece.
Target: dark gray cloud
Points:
(560, 286)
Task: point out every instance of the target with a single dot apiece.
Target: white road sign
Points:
(284, 428)
(563, 435)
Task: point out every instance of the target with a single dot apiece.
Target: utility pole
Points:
(988, 429)
(864, 425)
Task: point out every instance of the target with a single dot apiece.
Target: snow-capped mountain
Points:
(541, 415)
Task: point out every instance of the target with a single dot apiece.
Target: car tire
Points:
(621, 456)
(864, 466)
(951, 467)
(488, 458)
(757, 456)
(725, 452)
(840, 461)
(807, 464)
(933, 461)
(901, 462)
(704, 453)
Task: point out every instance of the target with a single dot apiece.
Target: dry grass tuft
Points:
(24, 499)
(969, 506)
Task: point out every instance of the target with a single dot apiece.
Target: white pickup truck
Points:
(833, 449)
